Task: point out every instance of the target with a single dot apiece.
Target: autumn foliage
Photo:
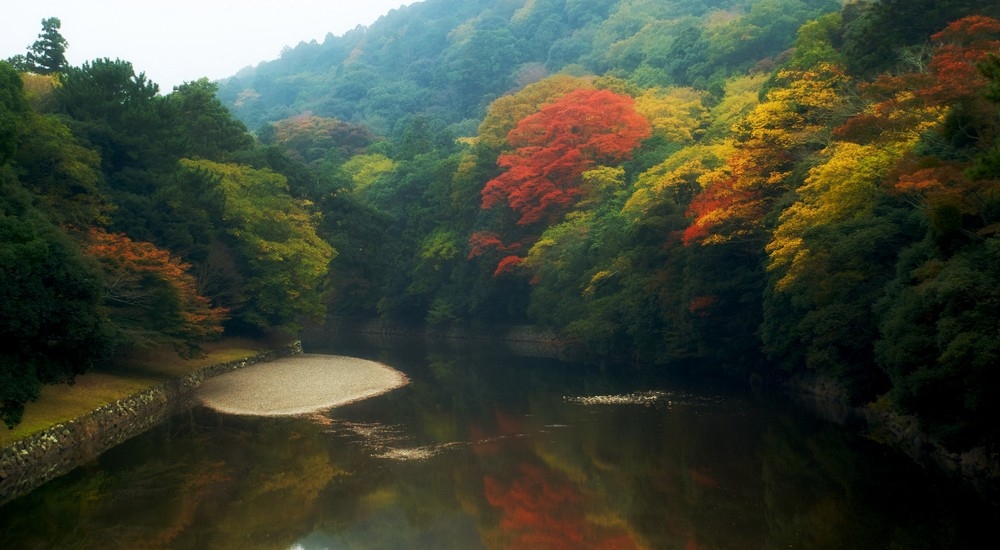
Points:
(309, 138)
(959, 48)
(152, 295)
(792, 123)
(836, 182)
(554, 146)
(946, 98)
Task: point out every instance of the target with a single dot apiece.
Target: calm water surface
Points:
(487, 450)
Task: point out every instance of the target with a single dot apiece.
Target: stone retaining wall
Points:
(30, 462)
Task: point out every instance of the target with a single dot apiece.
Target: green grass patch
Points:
(126, 375)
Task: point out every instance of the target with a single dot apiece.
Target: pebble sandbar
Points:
(299, 384)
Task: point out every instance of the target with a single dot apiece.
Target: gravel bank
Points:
(299, 384)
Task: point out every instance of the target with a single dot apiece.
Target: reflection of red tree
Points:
(542, 510)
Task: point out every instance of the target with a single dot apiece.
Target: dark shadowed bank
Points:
(30, 462)
(978, 466)
(525, 340)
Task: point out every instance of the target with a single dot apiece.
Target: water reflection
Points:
(491, 451)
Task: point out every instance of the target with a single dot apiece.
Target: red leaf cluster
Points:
(960, 47)
(482, 241)
(577, 132)
(717, 204)
(507, 265)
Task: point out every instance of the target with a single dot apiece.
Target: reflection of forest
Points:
(189, 484)
(514, 464)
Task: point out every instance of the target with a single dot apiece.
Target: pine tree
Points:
(48, 54)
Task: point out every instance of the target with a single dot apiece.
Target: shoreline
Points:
(27, 463)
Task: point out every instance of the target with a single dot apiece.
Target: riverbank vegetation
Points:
(763, 188)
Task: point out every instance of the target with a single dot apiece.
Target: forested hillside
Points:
(758, 188)
(135, 219)
(449, 60)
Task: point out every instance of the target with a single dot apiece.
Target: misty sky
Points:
(182, 40)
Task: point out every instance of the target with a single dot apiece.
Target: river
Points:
(484, 449)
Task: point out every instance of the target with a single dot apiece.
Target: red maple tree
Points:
(553, 146)
(959, 48)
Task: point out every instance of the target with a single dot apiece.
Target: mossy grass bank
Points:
(125, 376)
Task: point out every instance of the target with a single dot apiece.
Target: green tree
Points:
(48, 54)
(817, 42)
(205, 128)
(64, 175)
(120, 113)
(13, 108)
(51, 325)
(284, 261)
(481, 63)
(939, 342)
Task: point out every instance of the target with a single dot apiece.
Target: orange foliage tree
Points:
(150, 295)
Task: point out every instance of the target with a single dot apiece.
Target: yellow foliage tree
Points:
(843, 187)
(364, 170)
(678, 114)
(791, 124)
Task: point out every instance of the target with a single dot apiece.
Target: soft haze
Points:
(183, 40)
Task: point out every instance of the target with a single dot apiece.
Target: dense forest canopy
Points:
(759, 188)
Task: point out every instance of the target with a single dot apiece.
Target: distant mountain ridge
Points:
(451, 58)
